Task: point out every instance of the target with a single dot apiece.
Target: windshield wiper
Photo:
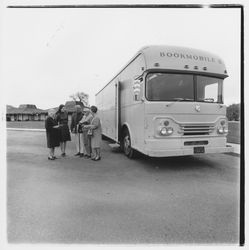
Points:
(207, 100)
(179, 99)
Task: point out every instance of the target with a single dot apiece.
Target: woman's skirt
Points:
(65, 133)
(96, 138)
(53, 138)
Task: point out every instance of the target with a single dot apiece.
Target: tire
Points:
(126, 145)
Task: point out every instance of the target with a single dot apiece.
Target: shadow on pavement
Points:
(176, 163)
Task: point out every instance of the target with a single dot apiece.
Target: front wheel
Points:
(126, 145)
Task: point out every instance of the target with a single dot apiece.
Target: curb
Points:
(27, 129)
(233, 154)
(236, 149)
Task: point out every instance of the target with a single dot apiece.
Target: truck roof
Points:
(182, 58)
(177, 59)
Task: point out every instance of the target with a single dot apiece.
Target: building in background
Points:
(70, 107)
(25, 112)
(29, 112)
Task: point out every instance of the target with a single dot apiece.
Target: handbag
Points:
(80, 128)
(90, 132)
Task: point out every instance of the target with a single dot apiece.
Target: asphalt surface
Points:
(192, 199)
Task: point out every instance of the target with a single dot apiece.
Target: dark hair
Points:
(94, 109)
(60, 108)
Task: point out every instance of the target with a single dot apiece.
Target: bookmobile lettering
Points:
(190, 56)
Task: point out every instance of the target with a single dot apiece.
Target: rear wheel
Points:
(126, 145)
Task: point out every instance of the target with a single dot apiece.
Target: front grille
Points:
(196, 129)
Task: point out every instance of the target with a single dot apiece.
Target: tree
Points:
(82, 97)
(233, 112)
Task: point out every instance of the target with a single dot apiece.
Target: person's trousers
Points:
(86, 143)
(79, 143)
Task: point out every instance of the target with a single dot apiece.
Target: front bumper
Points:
(157, 148)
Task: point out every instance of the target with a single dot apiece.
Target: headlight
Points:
(222, 130)
(225, 130)
(166, 123)
(166, 131)
(163, 131)
(222, 122)
(170, 130)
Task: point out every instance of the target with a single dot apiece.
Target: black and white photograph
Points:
(122, 123)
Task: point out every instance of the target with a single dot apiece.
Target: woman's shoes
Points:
(96, 158)
(51, 158)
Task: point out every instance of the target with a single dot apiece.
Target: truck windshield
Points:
(209, 89)
(182, 87)
(169, 87)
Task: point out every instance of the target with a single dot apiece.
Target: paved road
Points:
(117, 200)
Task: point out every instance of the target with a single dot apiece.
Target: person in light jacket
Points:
(96, 137)
(86, 120)
(76, 117)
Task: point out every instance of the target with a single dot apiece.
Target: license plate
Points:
(199, 150)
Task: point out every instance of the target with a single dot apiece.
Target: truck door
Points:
(117, 111)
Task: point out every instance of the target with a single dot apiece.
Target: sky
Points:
(49, 54)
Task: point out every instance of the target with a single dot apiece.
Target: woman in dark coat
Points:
(62, 120)
(52, 133)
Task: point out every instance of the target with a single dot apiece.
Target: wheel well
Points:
(132, 152)
(124, 127)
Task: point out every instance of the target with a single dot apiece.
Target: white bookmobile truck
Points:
(167, 101)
